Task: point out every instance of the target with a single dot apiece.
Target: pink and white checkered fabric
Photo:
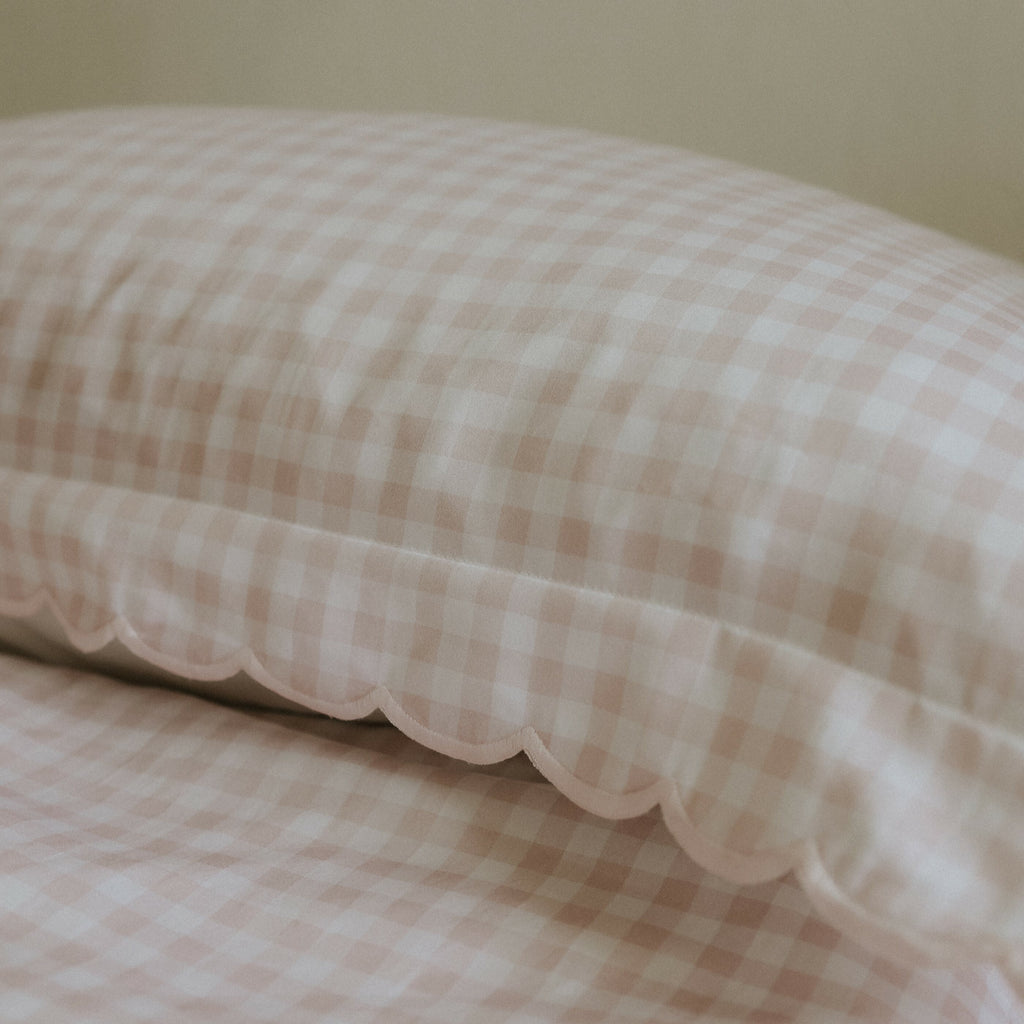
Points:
(703, 487)
(167, 860)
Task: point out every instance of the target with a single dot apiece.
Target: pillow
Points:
(703, 487)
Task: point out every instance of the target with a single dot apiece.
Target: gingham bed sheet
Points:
(167, 859)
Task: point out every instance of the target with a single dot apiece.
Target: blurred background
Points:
(913, 105)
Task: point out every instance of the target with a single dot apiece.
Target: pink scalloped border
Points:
(803, 859)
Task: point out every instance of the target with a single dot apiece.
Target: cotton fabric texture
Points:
(702, 487)
(168, 859)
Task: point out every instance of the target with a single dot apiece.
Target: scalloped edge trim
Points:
(803, 859)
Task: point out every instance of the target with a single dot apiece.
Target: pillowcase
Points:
(703, 487)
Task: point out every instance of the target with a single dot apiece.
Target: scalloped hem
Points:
(803, 859)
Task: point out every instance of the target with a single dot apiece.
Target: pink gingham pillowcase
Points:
(702, 486)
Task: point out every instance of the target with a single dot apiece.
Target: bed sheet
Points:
(164, 858)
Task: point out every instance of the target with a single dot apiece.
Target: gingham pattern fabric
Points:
(167, 860)
(702, 487)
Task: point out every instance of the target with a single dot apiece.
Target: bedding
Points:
(700, 487)
(167, 859)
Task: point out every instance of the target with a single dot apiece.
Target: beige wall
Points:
(917, 105)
